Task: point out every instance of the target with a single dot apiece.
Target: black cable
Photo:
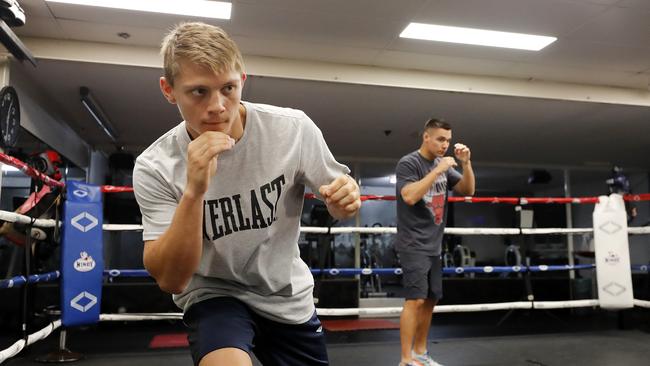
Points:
(527, 276)
(26, 288)
(57, 220)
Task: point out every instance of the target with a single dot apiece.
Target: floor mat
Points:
(174, 340)
(177, 340)
(338, 325)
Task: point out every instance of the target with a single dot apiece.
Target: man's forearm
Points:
(413, 192)
(173, 258)
(467, 184)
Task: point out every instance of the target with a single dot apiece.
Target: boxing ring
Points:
(82, 226)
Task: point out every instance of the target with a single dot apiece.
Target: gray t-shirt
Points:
(252, 210)
(420, 227)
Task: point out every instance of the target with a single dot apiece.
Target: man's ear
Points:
(243, 76)
(167, 90)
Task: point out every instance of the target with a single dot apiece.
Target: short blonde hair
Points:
(203, 44)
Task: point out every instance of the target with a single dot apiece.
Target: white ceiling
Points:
(600, 43)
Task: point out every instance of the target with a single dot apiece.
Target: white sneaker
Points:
(424, 359)
(12, 13)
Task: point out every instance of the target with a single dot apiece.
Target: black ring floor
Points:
(525, 338)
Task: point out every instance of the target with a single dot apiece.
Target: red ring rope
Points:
(10, 160)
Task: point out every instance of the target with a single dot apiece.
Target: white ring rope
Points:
(139, 317)
(642, 303)
(449, 230)
(32, 338)
(23, 219)
(565, 304)
(639, 230)
(121, 227)
(465, 308)
(395, 311)
(557, 231)
(393, 230)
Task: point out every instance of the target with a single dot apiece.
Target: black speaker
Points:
(337, 292)
(121, 161)
(539, 176)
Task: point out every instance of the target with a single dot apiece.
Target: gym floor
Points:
(472, 339)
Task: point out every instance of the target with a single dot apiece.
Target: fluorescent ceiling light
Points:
(88, 101)
(194, 8)
(480, 37)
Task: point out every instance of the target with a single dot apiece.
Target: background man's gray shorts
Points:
(421, 276)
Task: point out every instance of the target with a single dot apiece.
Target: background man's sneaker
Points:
(424, 359)
(12, 13)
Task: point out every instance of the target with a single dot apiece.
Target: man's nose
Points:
(217, 103)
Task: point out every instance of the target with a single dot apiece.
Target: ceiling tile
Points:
(346, 30)
(323, 52)
(100, 32)
(607, 56)
(369, 9)
(39, 27)
(35, 8)
(438, 63)
(617, 26)
(548, 17)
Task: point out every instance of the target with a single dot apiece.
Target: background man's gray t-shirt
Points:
(251, 211)
(420, 227)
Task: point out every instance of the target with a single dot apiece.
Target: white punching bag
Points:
(613, 271)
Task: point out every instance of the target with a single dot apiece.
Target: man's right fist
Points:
(202, 154)
(446, 163)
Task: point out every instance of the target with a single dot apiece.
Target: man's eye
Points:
(198, 92)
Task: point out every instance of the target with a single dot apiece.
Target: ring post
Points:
(81, 263)
(613, 272)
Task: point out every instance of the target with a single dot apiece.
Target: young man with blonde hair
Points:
(423, 178)
(221, 196)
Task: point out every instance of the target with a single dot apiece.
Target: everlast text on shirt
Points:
(227, 215)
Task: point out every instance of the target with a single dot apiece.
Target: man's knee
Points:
(415, 303)
(227, 356)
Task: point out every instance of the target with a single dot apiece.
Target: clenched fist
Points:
(462, 153)
(202, 154)
(342, 197)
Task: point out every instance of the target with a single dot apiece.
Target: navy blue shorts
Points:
(225, 322)
(421, 275)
